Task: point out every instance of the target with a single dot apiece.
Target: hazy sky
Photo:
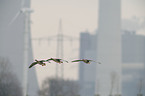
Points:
(77, 16)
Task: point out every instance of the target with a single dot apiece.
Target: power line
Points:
(59, 38)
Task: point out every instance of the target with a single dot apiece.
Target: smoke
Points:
(133, 24)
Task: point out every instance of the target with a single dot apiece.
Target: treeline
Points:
(59, 87)
(9, 84)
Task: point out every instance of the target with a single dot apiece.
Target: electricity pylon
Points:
(59, 52)
(60, 37)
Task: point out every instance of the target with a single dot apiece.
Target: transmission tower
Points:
(59, 38)
(59, 51)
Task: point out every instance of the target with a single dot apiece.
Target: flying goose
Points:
(38, 62)
(57, 60)
(85, 61)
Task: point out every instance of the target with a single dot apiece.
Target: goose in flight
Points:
(85, 61)
(38, 62)
(57, 60)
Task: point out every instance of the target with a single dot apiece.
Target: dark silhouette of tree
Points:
(140, 87)
(59, 87)
(9, 84)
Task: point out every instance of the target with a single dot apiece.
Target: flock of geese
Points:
(59, 61)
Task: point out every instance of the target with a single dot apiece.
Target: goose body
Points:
(85, 61)
(41, 62)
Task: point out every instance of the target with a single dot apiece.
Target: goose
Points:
(38, 62)
(85, 61)
(57, 60)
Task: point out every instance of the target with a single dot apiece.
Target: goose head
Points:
(43, 64)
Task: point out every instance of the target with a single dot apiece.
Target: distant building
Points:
(12, 42)
(109, 47)
(133, 64)
(87, 73)
(133, 59)
(122, 56)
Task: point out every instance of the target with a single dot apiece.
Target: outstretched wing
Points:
(43, 61)
(49, 59)
(64, 60)
(92, 61)
(95, 61)
(34, 63)
(76, 60)
(53, 59)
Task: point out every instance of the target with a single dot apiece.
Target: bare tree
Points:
(113, 81)
(59, 87)
(9, 84)
(140, 87)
